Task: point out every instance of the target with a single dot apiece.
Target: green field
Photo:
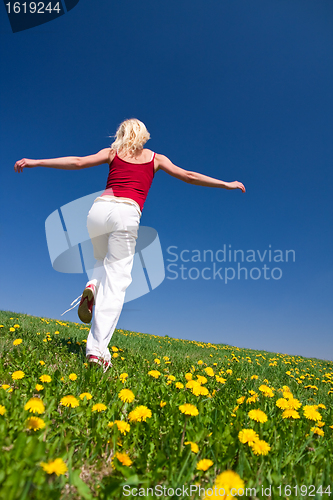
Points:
(191, 415)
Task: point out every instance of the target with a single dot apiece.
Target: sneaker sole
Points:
(83, 312)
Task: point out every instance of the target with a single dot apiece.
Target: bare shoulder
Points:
(111, 154)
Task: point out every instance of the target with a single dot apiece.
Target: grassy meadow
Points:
(170, 417)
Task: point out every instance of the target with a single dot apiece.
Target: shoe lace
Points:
(76, 300)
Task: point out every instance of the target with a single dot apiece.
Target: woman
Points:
(113, 223)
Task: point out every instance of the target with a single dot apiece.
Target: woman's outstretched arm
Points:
(67, 162)
(194, 177)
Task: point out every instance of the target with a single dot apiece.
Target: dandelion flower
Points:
(56, 466)
(162, 403)
(260, 447)
(221, 380)
(11, 329)
(124, 459)
(99, 407)
(35, 405)
(17, 375)
(39, 387)
(17, 342)
(123, 377)
(2, 410)
(290, 413)
(69, 401)
(35, 423)
(282, 403)
(139, 414)
(171, 377)
(248, 436)
(240, 400)
(154, 373)
(189, 409)
(122, 426)
(267, 391)
(317, 430)
(200, 391)
(179, 385)
(201, 379)
(194, 446)
(209, 371)
(114, 348)
(258, 415)
(311, 413)
(157, 361)
(45, 378)
(200, 362)
(86, 395)
(5, 386)
(16, 326)
(126, 396)
(188, 376)
(204, 464)
(225, 482)
(41, 363)
(72, 376)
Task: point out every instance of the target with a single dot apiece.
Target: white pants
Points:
(113, 229)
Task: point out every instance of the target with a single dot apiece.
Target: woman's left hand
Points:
(24, 163)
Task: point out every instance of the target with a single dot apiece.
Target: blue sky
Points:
(235, 90)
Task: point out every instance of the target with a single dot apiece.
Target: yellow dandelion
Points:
(139, 414)
(254, 377)
(72, 376)
(221, 380)
(162, 403)
(241, 400)
(179, 385)
(157, 361)
(282, 403)
(45, 378)
(126, 396)
(41, 363)
(200, 391)
(225, 482)
(229, 372)
(123, 458)
(86, 395)
(35, 423)
(122, 426)
(171, 377)
(99, 407)
(17, 342)
(260, 447)
(11, 329)
(56, 466)
(267, 391)
(189, 409)
(311, 413)
(114, 348)
(290, 413)
(39, 387)
(200, 362)
(248, 436)
(2, 410)
(115, 355)
(294, 404)
(188, 376)
(209, 371)
(201, 379)
(35, 405)
(258, 415)
(154, 373)
(69, 401)
(123, 377)
(317, 430)
(204, 464)
(18, 375)
(194, 446)
(5, 386)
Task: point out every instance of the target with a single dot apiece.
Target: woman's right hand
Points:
(236, 185)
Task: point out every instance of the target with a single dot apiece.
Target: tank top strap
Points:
(153, 156)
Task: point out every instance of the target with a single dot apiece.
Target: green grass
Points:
(88, 446)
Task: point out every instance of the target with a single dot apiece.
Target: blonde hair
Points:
(131, 136)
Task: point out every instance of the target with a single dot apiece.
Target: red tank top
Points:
(130, 180)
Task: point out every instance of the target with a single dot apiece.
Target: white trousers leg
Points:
(113, 229)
